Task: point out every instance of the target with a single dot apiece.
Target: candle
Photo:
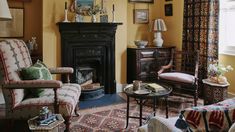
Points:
(102, 4)
(65, 6)
(113, 7)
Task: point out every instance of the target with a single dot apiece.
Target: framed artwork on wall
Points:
(84, 4)
(15, 27)
(141, 16)
(168, 10)
(142, 1)
(21, 0)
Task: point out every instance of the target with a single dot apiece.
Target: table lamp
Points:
(4, 11)
(158, 27)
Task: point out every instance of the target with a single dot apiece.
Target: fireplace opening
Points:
(89, 79)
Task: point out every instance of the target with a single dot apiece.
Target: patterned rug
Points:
(113, 117)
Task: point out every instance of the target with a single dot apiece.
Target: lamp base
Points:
(158, 41)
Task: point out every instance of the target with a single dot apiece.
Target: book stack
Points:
(52, 118)
(155, 87)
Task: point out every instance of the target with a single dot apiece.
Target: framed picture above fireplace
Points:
(84, 4)
(142, 1)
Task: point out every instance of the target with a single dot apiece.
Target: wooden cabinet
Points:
(143, 63)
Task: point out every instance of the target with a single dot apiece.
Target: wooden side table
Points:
(53, 127)
(213, 92)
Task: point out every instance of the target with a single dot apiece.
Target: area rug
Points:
(113, 117)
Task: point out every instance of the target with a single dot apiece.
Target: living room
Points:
(44, 20)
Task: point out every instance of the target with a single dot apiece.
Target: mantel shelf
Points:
(90, 23)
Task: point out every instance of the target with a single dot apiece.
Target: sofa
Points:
(208, 118)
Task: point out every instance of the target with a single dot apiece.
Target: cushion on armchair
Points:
(217, 117)
(34, 72)
(178, 77)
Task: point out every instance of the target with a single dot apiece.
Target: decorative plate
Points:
(142, 91)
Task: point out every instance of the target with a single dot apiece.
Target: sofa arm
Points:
(33, 84)
(143, 128)
(232, 128)
(160, 124)
(61, 70)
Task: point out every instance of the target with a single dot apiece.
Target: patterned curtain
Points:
(201, 31)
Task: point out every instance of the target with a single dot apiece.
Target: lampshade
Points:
(4, 11)
(159, 25)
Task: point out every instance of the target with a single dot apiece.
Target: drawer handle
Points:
(147, 53)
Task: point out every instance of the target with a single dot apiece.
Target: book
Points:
(47, 121)
(155, 87)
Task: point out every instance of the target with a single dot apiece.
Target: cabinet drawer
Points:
(146, 54)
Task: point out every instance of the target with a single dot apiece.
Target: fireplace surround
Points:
(90, 49)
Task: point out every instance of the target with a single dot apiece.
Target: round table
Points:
(142, 98)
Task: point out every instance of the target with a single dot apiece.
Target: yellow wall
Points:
(229, 60)
(173, 35)
(141, 31)
(32, 20)
(53, 12)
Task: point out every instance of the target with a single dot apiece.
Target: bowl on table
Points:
(141, 43)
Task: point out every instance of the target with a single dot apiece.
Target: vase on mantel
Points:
(93, 18)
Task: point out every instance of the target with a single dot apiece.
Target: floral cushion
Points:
(213, 117)
(178, 77)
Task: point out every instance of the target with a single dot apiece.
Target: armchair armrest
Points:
(33, 84)
(163, 68)
(61, 70)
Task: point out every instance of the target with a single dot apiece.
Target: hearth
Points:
(90, 49)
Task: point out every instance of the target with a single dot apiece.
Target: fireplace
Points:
(90, 49)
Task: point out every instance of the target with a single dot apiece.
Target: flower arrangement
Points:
(94, 10)
(216, 72)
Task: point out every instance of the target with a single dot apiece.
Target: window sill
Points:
(230, 53)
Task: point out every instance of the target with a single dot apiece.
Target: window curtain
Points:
(200, 31)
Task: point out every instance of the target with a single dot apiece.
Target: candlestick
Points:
(113, 13)
(65, 6)
(102, 4)
(65, 13)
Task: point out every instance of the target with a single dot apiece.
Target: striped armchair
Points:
(60, 98)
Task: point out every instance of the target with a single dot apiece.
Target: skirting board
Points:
(120, 87)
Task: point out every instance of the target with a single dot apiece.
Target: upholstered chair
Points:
(182, 72)
(60, 97)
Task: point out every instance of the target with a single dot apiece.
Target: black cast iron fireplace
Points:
(90, 49)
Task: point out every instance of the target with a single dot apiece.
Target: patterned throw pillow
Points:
(215, 117)
(35, 72)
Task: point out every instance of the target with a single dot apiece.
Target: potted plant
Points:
(93, 11)
(216, 72)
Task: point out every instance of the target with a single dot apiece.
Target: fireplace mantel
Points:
(93, 45)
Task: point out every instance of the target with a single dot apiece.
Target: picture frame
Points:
(84, 4)
(21, 0)
(168, 10)
(141, 16)
(142, 1)
(15, 27)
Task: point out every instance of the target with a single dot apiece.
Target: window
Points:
(227, 27)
